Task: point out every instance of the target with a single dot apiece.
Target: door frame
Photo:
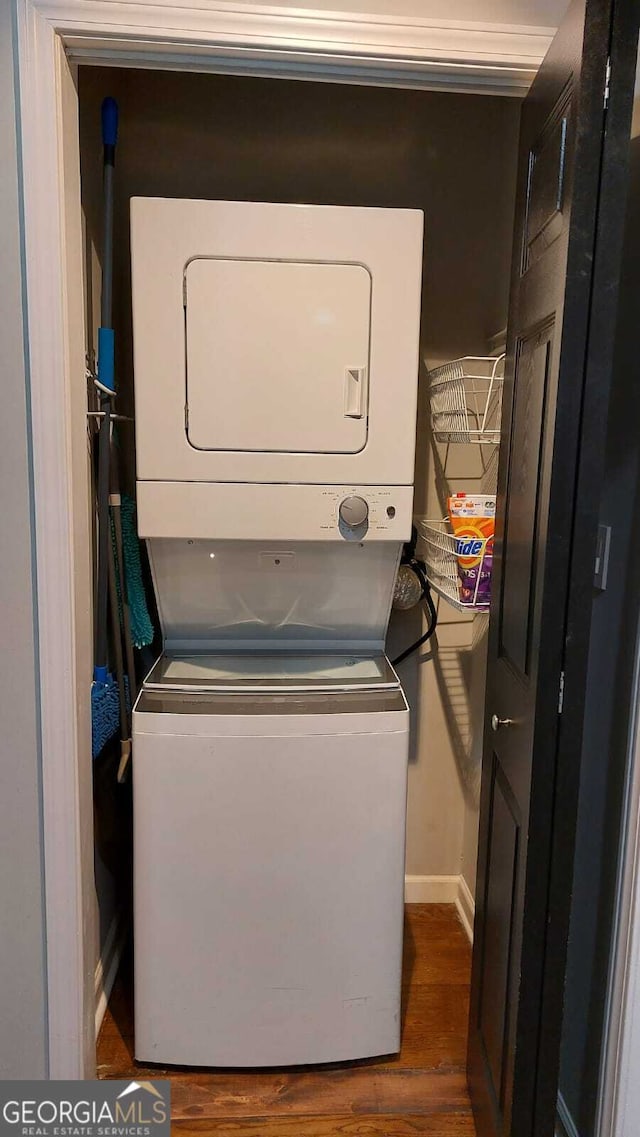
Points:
(620, 1094)
(51, 37)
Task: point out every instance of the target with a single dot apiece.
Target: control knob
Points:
(354, 512)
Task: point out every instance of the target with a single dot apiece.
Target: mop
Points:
(121, 619)
(105, 701)
(142, 629)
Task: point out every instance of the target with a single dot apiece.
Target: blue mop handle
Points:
(107, 385)
(106, 348)
(109, 114)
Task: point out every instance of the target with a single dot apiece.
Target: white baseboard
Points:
(107, 966)
(466, 907)
(442, 890)
(430, 889)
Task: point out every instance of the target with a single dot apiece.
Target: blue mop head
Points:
(142, 631)
(105, 710)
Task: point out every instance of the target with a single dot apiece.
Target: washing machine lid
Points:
(236, 597)
(271, 672)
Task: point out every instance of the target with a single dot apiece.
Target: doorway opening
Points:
(235, 138)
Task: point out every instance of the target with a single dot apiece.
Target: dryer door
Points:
(277, 356)
(275, 343)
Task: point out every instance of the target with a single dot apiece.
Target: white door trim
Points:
(260, 40)
(216, 36)
(50, 407)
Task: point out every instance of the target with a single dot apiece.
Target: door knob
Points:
(496, 722)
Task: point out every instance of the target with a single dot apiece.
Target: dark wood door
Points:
(569, 217)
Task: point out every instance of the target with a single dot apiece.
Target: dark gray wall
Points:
(454, 156)
(23, 1052)
(226, 137)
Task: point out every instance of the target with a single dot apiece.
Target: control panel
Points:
(369, 511)
(235, 511)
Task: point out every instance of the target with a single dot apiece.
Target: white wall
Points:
(541, 13)
(23, 1021)
(453, 682)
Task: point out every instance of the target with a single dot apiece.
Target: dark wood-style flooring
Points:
(422, 1090)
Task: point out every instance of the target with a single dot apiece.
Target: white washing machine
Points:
(269, 859)
(275, 351)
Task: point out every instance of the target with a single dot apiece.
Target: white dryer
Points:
(275, 351)
(274, 343)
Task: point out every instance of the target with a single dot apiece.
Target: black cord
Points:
(419, 570)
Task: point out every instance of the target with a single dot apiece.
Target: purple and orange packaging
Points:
(472, 519)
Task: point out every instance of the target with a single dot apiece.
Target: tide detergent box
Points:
(472, 519)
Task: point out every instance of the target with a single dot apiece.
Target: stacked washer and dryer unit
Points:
(276, 359)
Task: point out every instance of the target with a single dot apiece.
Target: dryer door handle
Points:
(354, 384)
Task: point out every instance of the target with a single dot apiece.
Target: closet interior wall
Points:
(205, 136)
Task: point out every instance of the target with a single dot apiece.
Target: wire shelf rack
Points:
(440, 555)
(466, 399)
